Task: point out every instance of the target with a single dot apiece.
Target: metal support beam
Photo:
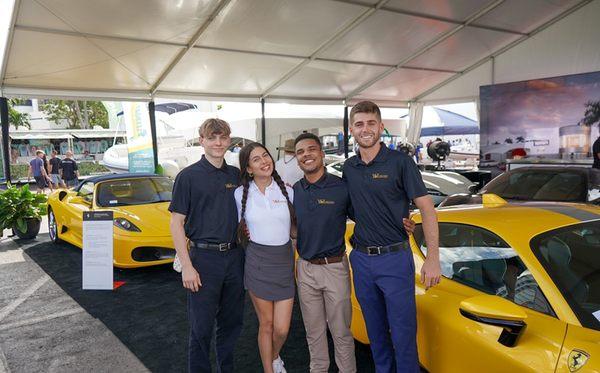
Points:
(493, 56)
(358, 20)
(432, 17)
(426, 48)
(222, 4)
(346, 132)
(152, 114)
(5, 142)
(263, 123)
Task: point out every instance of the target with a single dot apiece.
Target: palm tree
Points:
(508, 140)
(17, 118)
(592, 113)
(520, 139)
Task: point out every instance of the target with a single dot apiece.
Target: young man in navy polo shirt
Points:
(204, 212)
(322, 204)
(381, 184)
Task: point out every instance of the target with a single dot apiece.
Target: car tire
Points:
(53, 227)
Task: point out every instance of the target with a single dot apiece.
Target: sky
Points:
(5, 15)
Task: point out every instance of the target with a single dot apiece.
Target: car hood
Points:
(152, 219)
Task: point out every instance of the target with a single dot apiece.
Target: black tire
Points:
(53, 227)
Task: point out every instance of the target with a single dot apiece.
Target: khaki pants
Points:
(324, 293)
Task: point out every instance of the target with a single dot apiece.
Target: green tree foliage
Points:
(592, 113)
(78, 114)
(15, 117)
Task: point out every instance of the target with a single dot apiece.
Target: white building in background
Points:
(37, 118)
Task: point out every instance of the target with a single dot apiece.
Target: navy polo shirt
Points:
(204, 194)
(321, 211)
(381, 192)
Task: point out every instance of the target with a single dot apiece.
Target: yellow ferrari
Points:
(520, 292)
(139, 203)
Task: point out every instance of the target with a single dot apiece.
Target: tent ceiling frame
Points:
(193, 40)
(142, 95)
(488, 8)
(346, 29)
(232, 50)
(503, 49)
(432, 17)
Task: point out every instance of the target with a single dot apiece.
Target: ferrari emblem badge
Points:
(577, 359)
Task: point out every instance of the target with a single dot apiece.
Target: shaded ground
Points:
(148, 315)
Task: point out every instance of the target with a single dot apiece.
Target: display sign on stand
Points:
(97, 250)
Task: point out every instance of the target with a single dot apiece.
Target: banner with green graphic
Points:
(139, 139)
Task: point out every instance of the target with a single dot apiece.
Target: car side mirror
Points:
(496, 311)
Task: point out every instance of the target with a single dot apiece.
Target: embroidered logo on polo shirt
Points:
(379, 176)
(325, 202)
(279, 201)
(230, 186)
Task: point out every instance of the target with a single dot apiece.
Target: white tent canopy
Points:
(393, 52)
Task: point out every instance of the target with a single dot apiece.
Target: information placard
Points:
(97, 250)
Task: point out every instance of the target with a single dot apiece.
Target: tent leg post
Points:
(346, 139)
(263, 123)
(5, 142)
(152, 115)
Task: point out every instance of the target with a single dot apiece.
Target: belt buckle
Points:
(373, 250)
(224, 246)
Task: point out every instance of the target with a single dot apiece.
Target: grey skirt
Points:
(269, 271)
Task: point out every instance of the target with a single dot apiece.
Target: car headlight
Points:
(126, 225)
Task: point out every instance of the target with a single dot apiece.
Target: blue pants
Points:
(221, 297)
(385, 289)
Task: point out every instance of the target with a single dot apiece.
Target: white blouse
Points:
(267, 215)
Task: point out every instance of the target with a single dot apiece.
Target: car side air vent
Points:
(62, 194)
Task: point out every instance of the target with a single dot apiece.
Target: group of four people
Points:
(233, 231)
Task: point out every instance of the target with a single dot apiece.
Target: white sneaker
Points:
(278, 365)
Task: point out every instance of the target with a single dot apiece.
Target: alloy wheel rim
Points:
(52, 225)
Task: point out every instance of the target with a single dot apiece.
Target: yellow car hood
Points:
(152, 219)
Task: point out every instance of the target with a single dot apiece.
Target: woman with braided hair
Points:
(267, 220)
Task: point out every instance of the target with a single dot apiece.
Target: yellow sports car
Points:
(139, 203)
(520, 292)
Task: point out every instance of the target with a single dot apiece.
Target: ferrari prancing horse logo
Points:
(577, 359)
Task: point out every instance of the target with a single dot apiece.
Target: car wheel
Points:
(53, 227)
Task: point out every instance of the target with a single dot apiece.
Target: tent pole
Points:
(263, 124)
(151, 112)
(346, 139)
(5, 144)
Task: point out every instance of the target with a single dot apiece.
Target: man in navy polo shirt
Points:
(204, 212)
(381, 184)
(322, 204)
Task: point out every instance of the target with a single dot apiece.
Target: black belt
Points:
(213, 246)
(378, 250)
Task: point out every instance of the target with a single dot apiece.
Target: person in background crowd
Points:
(37, 169)
(69, 171)
(55, 164)
(47, 168)
(596, 153)
(267, 220)
(287, 167)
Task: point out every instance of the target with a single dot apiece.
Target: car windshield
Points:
(124, 192)
(540, 185)
(570, 256)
